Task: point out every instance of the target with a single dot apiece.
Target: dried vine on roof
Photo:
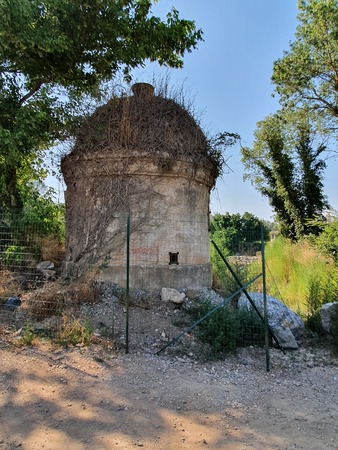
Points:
(157, 127)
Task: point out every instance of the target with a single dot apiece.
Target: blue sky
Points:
(229, 77)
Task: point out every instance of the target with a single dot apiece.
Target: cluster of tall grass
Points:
(300, 275)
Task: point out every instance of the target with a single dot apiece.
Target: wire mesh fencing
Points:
(18, 259)
(23, 268)
(226, 319)
(120, 295)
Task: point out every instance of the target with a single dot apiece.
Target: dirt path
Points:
(83, 399)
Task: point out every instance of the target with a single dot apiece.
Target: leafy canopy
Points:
(53, 53)
(307, 74)
(286, 161)
(327, 241)
(238, 234)
(285, 165)
(78, 44)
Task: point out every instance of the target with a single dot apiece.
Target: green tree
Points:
(25, 130)
(307, 74)
(327, 241)
(284, 164)
(236, 234)
(55, 52)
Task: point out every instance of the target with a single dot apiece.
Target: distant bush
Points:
(327, 241)
(235, 235)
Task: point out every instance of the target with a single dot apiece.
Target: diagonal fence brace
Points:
(252, 303)
(187, 330)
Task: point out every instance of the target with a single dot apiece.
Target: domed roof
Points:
(151, 125)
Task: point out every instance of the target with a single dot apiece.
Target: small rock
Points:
(12, 303)
(172, 295)
(48, 273)
(180, 359)
(45, 265)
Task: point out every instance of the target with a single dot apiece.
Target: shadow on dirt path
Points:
(71, 399)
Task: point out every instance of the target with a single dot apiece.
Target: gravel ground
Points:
(98, 397)
(95, 398)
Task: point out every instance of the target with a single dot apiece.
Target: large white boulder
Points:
(172, 295)
(285, 324)
(327, 312)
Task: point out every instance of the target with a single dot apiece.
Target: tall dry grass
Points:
(292, 269)
(51, 248)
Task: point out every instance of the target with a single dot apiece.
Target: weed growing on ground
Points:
(314, 302)
(75, 332)
(27, 336)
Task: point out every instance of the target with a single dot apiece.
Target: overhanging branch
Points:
(34, 89)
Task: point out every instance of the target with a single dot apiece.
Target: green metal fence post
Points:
(252, 303)
(266, 319)
(127, 284)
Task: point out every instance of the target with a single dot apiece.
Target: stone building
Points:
(141, 156)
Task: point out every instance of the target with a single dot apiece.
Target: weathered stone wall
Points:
(169, 213)
(143, 157)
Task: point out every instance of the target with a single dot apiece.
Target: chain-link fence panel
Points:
(19, 255)
(226, 318)
(150, 280)
(24, 269)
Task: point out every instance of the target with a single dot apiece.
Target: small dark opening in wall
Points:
(173, 258)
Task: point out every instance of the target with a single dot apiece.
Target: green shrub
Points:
(34, 232)
(327, 241)
(219, 329)
(314, 302)
(14, 257)
(27, 336)
(227, 328)
(251, 330)
(334, 333)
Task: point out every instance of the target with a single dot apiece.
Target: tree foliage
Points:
(234, 235)
(307, 74)
(54, 52)
(327, 241)
(78, 43)
(285, 165)
(237, 234)
(286, 161)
